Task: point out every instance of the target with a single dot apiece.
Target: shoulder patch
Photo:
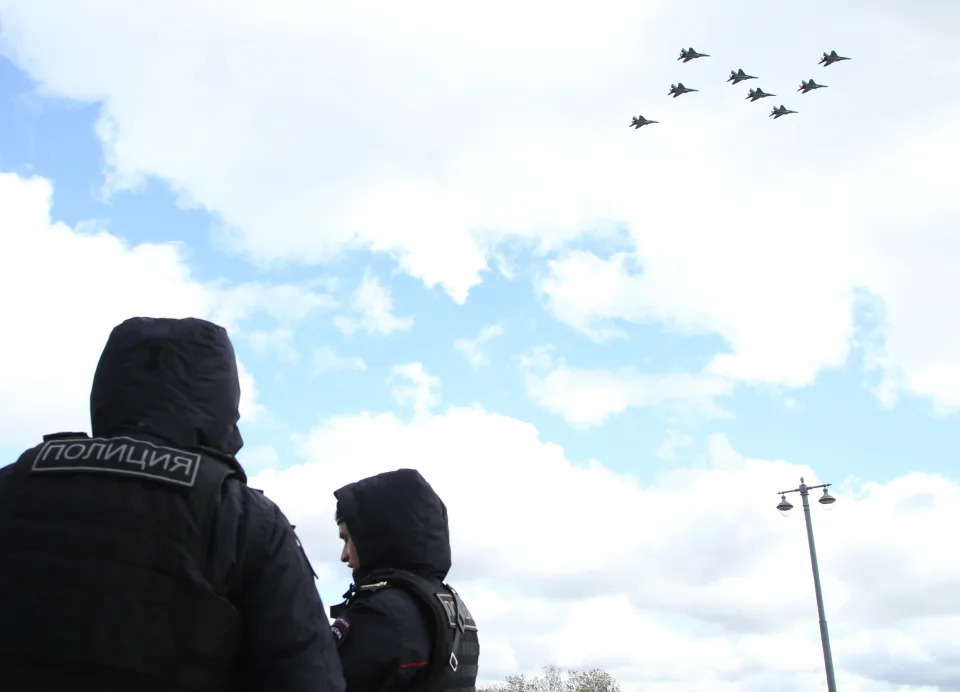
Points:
(123, 456)
(339, 629)
(466, 621)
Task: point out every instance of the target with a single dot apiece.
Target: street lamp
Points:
(826, 500)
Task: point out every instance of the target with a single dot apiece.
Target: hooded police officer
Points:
(139, 559)
(400, 627)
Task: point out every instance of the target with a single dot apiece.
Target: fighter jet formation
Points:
(737, 76)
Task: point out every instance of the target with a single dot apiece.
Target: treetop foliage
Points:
(557, 679)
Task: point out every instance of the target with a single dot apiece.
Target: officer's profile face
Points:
(349, 553)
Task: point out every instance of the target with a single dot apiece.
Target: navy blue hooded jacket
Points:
(175, 383)
(396, 521)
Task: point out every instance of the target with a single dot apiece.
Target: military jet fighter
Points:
(639, 121)
(737, 77)
(807, 86)
(777, 112)
(688, 54)
(757, 93)
(678, 88)
(828, 60)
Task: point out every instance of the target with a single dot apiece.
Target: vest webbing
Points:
(103, 544)
(456, 646)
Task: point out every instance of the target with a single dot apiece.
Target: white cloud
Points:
(285, 303)
(588, 293)
(696, 566)
(588, 397)
(780, 287)
(783, 332)
(240, 135)
(470, 348)
(420, 393)
(257, 459)
(420, 135)
(277, 341)
(372, 310)
(326, 359)
(250, 407)
(787, 332)
(62, 294)
(65, 289)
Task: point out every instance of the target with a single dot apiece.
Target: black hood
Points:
(396, 521)
(175, 379)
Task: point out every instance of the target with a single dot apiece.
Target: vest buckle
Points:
(454, 663)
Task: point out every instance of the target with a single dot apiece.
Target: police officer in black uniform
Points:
(401, 627)
(139, 559)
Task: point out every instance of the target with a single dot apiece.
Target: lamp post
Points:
(785, 508)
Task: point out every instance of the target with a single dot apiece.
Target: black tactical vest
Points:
(456, 646)
(103, 543)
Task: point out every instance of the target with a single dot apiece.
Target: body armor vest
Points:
(456, 646)
(103, 544)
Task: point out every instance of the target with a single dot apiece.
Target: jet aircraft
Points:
(757, 93)
(777, 112)
(639, 121)
(688, 54)
(808, 86)
(678, 88)
(828, 60)
(737, 77)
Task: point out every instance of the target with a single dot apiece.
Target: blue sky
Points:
(836, 425)
(718, 303)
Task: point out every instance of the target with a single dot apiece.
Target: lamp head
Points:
(784, 506)
(827, 499)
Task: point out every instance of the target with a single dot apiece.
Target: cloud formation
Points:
(472, 348)
(696, 566)
(64, 290)
(437, 135)
(371, 310)
(588, 397)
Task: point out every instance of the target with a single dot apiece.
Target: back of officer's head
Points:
(396, 520)
(176, 379)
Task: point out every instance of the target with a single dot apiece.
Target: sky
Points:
(437, 243)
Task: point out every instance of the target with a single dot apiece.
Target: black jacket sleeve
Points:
(286, 643)
(386, 643)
